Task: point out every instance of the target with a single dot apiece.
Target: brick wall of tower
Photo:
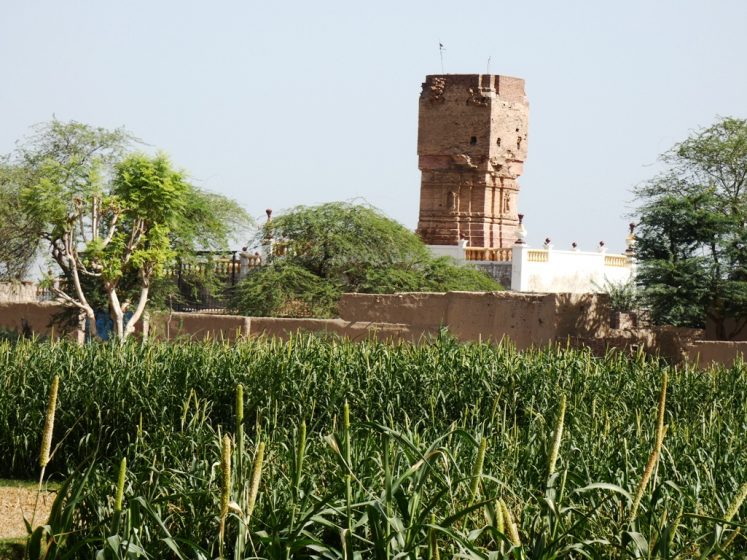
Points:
(472, 142)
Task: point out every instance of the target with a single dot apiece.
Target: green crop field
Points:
(319, 448)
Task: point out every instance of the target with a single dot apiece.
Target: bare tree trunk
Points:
(118, 314)
(130, 328)
(91, 316)
(80, 337)
(70, 258)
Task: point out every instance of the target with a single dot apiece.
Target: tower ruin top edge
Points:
(507, 87)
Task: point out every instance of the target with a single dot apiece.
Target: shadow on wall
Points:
(582, 315)
(18, 292)
(38, 318)
(733, 329)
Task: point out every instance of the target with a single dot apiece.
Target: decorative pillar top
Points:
(630, 240)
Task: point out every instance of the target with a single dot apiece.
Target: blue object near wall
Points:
(104, 324)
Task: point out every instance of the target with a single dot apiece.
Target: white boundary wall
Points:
(551, 271)
(456, 252)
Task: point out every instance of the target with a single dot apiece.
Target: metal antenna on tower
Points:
(441, 50)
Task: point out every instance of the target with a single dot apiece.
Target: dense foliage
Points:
(109, 219)
(19, 235)
(318, 253)
(444, 442)
(692, 236)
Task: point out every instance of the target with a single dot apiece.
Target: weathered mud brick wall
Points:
(17, 292)
(36, 318)
(472, 143)
(525, 319)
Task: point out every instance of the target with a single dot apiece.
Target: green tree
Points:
(113, 221)
(692, 240)
(19, 235)
(321, 252)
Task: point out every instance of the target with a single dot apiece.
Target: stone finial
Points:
(602, 247)
(521, 232)
(574, 246)
(630, 240)
(548, 243)
(268, 230)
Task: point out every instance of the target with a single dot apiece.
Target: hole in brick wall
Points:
(517, 130)
(473, 140)
(518, 143)
(498, 142)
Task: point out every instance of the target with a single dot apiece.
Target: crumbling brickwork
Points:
(472, 143)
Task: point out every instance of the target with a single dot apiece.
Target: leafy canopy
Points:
(321, 252)
(112, 220)
(19, 234)
(692, 241)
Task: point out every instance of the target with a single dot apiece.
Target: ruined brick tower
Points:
(472, 143)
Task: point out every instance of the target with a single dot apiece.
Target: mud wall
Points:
(706, 353)
(199, 326)
(527, 319)
(18, 292)
(33, 318)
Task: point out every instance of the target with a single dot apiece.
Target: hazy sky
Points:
(285, 103)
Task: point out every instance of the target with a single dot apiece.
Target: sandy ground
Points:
(15, 502)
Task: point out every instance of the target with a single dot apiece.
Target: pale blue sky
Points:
(285, 103)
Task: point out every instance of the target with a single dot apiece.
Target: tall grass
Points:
(375, 451)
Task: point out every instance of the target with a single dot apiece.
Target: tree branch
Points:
(145, 274)
(112, 229)
(135, 236)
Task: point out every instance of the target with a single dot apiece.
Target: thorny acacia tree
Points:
(113, 220)
(18, 235)
(692, 236)
(337, 248)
